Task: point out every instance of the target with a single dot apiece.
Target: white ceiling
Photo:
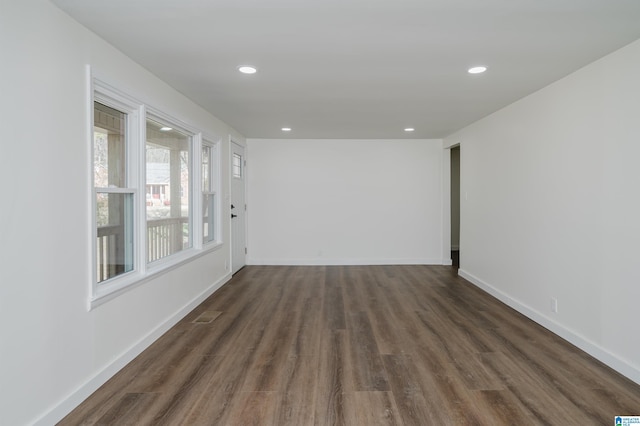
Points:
(359, 68)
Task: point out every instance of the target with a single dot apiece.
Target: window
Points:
(209, 186)
(236, 166)
(146, 188)
(168, 177)
(114, 199)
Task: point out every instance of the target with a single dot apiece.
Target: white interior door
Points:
(238, 208)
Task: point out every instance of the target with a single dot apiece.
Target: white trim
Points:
(103, 92)
(195, 139)
(445, 208)
(598, 352)
(225, 209)
(345, 262)
(139, 151)
(132, 191)
(161, 117)
(245, 181)
(215, 178)
(65, 406)
(196, 198)
(91, 222)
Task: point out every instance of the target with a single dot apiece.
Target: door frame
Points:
(446, 202)
(230, 199)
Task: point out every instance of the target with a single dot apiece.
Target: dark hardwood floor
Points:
(358, 345)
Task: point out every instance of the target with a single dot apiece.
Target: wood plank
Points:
(368, 371)
(376, 409)
(181, 398)
(387, 315)
(131, 409)
(271, 356)
(299, 390)
(354, 288)
(335, 380)
(206, 317)
(501, 408)
(333, 303)
(414, 409)
(540, 398)
(254, 409)
(447, 399)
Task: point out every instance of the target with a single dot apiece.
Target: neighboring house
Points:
(157, 184)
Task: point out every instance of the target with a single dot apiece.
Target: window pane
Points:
(109, 161)
(114, 218)
(236, 166)
(206, 168)
(167, 190)
(208, 207)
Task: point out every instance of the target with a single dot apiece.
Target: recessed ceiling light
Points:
(286, 129)
(247, 69)
(409, 129)
(477, 70)
(166, 129)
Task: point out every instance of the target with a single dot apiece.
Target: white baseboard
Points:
(319, 261)
(67, 405)
(589, 347)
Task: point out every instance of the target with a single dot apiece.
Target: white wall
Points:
(53, 351)
(344, 201)
(553, 207)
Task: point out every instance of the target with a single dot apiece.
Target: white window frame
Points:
(194, 137)
(214, 179)
(106, 94)
(99, 90)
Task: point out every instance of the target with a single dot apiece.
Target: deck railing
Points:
(164, 237)
(109, 239)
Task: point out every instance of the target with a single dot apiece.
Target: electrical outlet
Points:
(226, 264)
(554, 305)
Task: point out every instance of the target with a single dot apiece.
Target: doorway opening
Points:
(455, 207)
